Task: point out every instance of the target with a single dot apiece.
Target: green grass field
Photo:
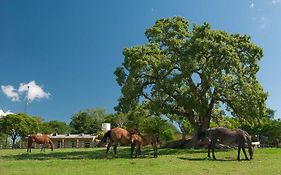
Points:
(170, 161)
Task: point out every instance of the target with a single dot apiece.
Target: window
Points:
(87, 144)
(59, 144)
(73, 144)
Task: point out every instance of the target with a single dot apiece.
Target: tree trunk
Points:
(6, 141)
(183, 132)
(14, 141)
(199, 129)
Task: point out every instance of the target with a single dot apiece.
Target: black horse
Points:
(229, 136)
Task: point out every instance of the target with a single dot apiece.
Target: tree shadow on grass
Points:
(71, 154)
(171, 151)
(203, 159)
(99, 153)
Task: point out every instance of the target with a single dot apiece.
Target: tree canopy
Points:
(18, 125)
(55, 126)
(88, 121)
(192, 72)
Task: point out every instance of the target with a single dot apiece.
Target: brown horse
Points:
(117, 136)
(139, 141)
(40, 139)
(228, 136)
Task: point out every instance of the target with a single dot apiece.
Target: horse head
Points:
(135, 138)
(133, 131)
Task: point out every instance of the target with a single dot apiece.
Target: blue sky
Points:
(68, 50)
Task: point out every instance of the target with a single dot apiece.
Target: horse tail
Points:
(106, 136)
(51, 144)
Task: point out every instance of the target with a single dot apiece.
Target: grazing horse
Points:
(228, 136)
(40, 139)
(143, 140)
(117, 136)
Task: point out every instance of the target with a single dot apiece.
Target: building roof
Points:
(72, 136)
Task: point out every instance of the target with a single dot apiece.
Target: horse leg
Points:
(154, 146)
(133, 145)
(138, 150)
(243, 149)
(115, 144)
(209, 148)
(239, 149)
(156, 151)
(115, 150)
(43, 148)
(108, 147)
(213, 149)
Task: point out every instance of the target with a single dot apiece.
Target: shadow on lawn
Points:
(90, 153)
(202, 159)
(70, 155)
(99, 153)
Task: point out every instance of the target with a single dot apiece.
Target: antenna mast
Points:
(26, 101)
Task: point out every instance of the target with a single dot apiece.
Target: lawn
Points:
(170, 161)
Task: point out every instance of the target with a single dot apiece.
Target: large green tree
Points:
(55, 126)
(88, 121)
(18, 125)
(191, 71)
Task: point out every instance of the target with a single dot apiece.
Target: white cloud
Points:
(31, 91)
(2, 113)
(252, 5)
(262, 22)
(274, 2)
(10, 92)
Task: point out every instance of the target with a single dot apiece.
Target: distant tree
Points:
(184, 125)
(82, 122)
(117, 120)
(228, 122)
(272, 129)
(157, 125)
(187, 72)
(141, 119)
(18, 125)
(55, 126)
(3, 139)
(136, 117)
(88, 121)
(270, 113)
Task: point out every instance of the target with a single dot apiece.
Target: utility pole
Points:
(26, 101)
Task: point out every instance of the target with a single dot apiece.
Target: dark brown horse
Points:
(117, 136)
(139, 141)
(228, 136)
(40, 139)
